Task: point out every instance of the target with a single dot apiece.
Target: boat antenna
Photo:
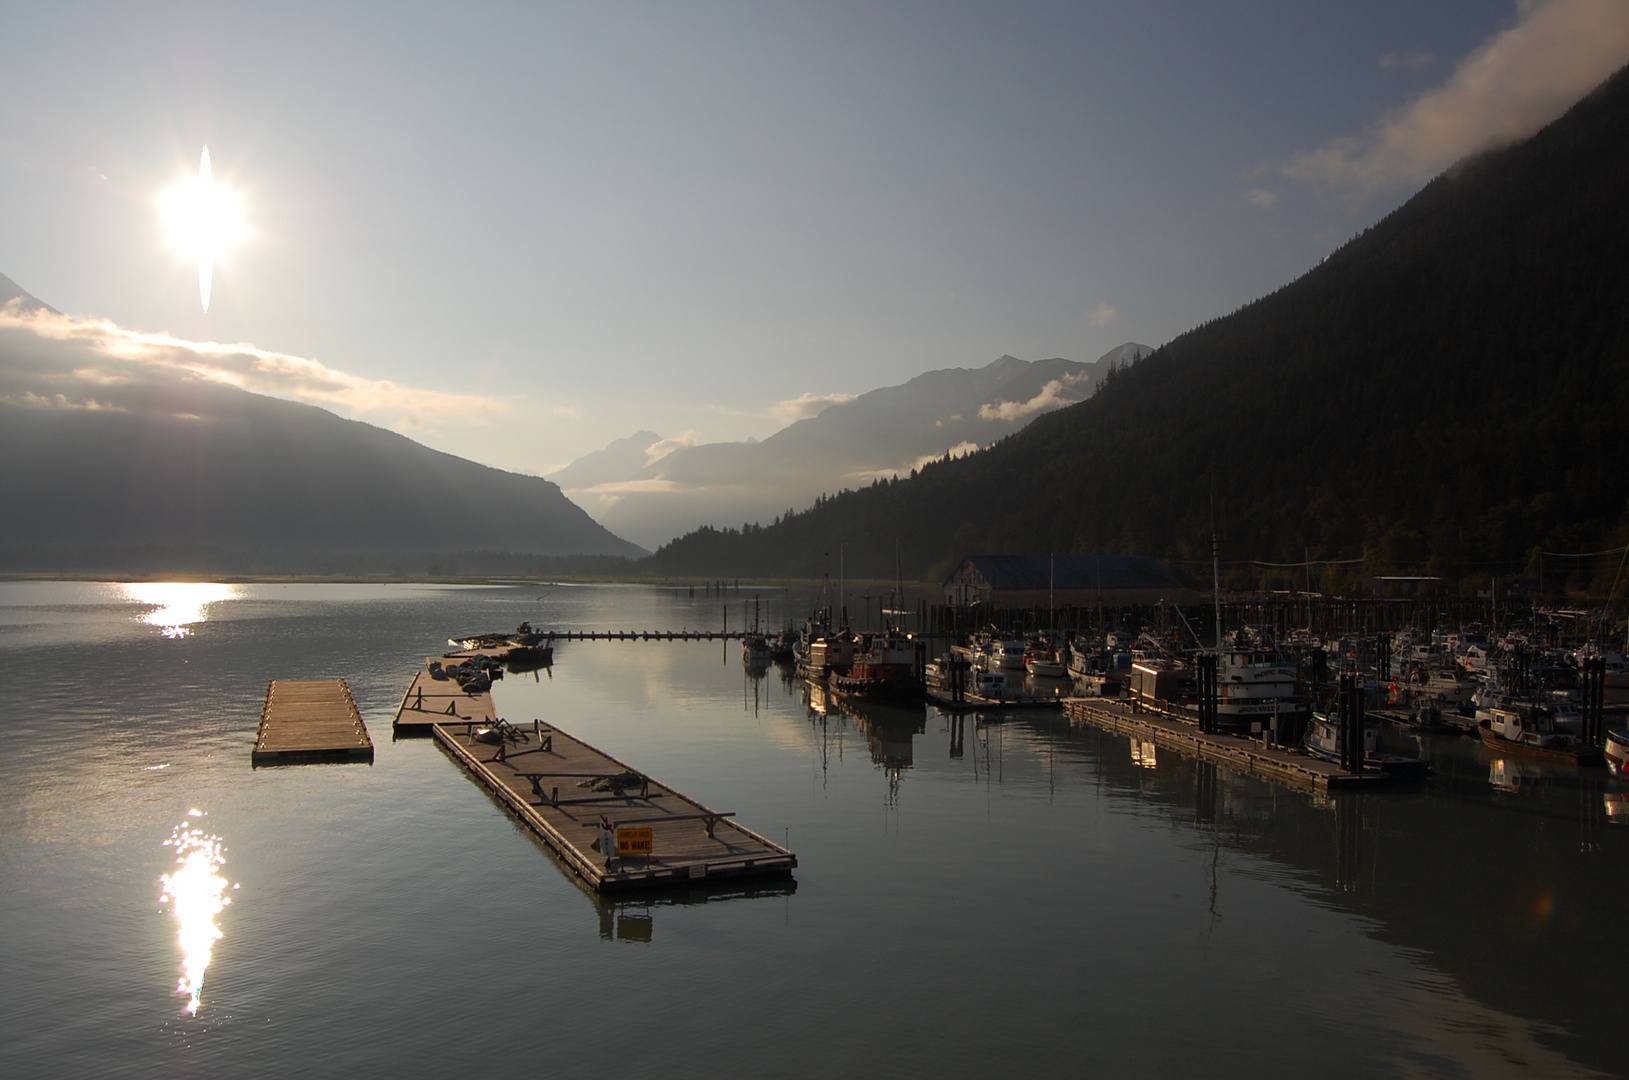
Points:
(842, 590)
(1216, 582)
(1216, 561)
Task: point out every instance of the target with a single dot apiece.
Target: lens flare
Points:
(196, 893)
(203, 219)
(206, 253)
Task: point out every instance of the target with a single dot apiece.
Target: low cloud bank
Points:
(49, 360)
(806, 405)
(1054, 395)
(1513, 84)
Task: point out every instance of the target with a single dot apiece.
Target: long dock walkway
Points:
(1275, 764)
(310, 720)
(560, 787)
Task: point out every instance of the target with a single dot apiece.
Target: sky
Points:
(517, 232)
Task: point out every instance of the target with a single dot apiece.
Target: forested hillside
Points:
(1448, 392)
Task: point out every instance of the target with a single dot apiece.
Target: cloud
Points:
(607, 495)
(97, 353)
(567, 412)
(1513, 84)
(1101, 315)
(806, 405)
(866, 476)
(1408, 61)
(1052, 396)
(660, 449)
(1261, 198)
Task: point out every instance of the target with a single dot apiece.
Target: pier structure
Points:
(648, 635)
(310, 720)
(616, 827)
(1276, 764)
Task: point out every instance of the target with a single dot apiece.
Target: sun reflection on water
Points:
(197, 893)
(178, 604)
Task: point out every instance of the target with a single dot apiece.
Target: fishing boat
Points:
(883, 669)
(1323, 741)
(1258, 687)
(1530, 730)
(756, 651)
(783, 648)
(827, 654)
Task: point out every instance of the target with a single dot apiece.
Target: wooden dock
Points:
(1275, 764)
(648, 635)
(970, 702)
(559, 787)
(310, 720)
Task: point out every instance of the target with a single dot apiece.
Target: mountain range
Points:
(1446, 394)
(113, 453)
(652, 489)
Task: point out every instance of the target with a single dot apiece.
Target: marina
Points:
(891, 811)
(310, 720)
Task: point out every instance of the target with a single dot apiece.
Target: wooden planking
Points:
(310, 720)
(1275, 764)
(684, 850)
(427, 701)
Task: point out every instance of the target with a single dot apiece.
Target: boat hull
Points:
(1583, 755)
(1617, 752)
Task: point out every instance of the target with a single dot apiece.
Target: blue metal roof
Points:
(1073, 571)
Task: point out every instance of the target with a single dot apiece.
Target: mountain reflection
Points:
(177, 604)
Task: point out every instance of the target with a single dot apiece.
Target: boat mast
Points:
(1216, 580)
(842, 591)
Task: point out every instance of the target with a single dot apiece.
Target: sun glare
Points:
(203, 221)
(177, 605)
(197, 894)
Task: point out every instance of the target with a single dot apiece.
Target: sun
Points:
(203, 220)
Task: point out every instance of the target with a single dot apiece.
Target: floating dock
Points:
(1276, 764)
(970, 702)
(310, 720)
(559, 787)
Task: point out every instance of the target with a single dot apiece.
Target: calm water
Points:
(973, 899)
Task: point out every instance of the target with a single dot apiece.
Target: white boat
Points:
(1041, 661)
(1323, 737)
(1009, 654)
(1256, 688)
(1617, 752)
(1323, 740)
(991, 684)
(1477, 660)
(1531, 730)
(1442, 686)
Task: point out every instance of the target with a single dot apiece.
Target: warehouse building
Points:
(1037, 581)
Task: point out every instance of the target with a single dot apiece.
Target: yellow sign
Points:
(635, 842)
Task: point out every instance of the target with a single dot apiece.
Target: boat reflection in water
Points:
(1493, 848)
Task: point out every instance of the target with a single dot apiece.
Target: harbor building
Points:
(1036, 581)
